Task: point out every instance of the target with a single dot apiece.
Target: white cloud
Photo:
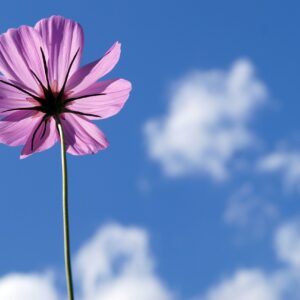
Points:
(247, 210)
(114, 265)
(28, 287)
(207, 121)
(287, 242)
(285, 162)
(257, 284)
(245, 285)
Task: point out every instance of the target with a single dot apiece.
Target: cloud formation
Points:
(114, 265)
(245, 285)
(258, 284)
(247, 210)
(284, 162)
(28, 287)
(287, 242)
(207, 121)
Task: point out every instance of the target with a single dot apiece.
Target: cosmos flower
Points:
(42, 84)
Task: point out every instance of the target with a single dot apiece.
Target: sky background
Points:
(197, 197)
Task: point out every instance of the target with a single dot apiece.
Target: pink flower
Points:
(42, 83)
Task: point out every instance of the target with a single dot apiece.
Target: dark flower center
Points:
(53, 105)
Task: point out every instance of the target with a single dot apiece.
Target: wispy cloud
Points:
(248, 210)
(287, 242)
(207, 121)
(284, 162)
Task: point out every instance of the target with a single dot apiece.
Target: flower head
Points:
(42, 84)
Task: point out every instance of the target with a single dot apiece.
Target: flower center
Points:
(52, 104)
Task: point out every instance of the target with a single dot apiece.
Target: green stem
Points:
(66, 214)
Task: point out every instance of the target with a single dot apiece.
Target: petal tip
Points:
(115, 47)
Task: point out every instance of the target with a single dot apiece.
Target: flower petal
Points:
(116, 92)
(16, 128)
(11, 98)
(63, 38)
(90, 73)
(42, 137)
(20, 54)
(82, 137)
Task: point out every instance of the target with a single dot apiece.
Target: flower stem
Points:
(66, 214)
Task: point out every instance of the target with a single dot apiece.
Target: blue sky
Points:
(201, 179)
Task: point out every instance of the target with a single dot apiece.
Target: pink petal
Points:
(16, 128)
(44, 138)
(63, 38)
(82, 137)
(88, 74)
(20, 115)
(11, 98)
(20, 52)
(116, 93)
